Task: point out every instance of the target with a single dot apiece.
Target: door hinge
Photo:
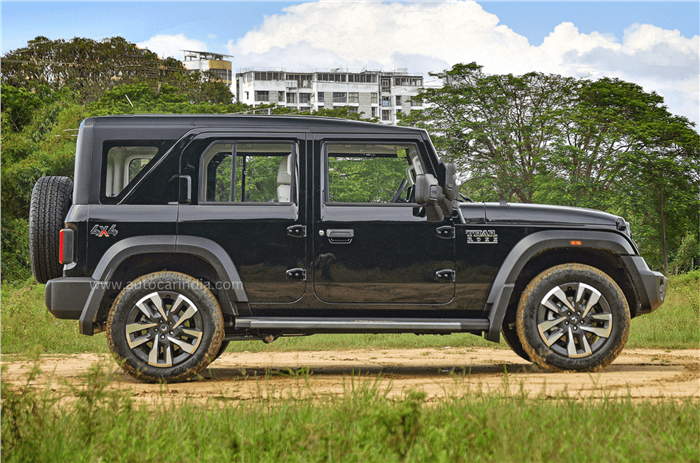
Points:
(297, 231)
(445, 275)
(296, 274)
(446, 232)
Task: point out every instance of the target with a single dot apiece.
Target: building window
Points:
(374, 111)
(374, 98)
(247, 95)
(269, 76)
(340, 97)
(363, 78)
(398, 100)
(386, 115)
(320, 97)
(416, 101)
(303, 80)
(386, 101)
(353, 97)
(353, 110)
(304, 109)
(280, 97)
(408, 81)
(304, 98)
(291, 97)
(386, 85)
(222, 74)
(332, 77)
(262, 95)
(321, 107)
(398, 114)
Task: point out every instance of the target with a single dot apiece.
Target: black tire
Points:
(510, 334)
(573, 317)
(182, 327)
(51, 200)
(222, 349)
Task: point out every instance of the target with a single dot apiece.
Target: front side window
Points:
(371, 173)
(261, 172)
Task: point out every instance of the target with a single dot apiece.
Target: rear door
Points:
(246, 197)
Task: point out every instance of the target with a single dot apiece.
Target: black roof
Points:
(191, 121)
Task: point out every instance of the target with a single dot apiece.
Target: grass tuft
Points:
(26, 323)
(94, 424)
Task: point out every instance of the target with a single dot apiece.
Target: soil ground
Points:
(640, 373)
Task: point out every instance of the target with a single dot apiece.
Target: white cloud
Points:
(167, 46)
(432, 36)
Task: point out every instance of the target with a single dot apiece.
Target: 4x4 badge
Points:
(104, 231)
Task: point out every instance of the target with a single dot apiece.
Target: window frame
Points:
(163, 147)
(325, 177)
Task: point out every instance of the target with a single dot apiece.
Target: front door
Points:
(247, 198)
(372, 243)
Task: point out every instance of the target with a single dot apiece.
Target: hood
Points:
(546, 214)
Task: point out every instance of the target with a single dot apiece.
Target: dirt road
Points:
(645, 373)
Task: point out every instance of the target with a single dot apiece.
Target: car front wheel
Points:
(165, 326)
(573, 317)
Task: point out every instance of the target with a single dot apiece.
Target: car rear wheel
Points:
(573, 317)
(165, 326)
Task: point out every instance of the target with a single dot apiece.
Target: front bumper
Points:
(75, 298)
(651, 286)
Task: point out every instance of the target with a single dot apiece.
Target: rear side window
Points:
(123, 163)
(256, 172)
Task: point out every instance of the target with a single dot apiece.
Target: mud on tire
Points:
(573, 317)
(165, 326)
(51, 200)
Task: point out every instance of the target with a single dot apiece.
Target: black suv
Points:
(183, 233)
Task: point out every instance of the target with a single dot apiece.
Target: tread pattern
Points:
(51, 200)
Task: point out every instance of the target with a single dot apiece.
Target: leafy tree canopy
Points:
(605, 144)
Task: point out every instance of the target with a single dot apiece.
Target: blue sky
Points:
(138, 21)
(654, 44)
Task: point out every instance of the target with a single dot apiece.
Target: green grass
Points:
(676, 324)
(360, 426)
(26, 323)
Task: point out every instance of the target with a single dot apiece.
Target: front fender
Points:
(531, 245)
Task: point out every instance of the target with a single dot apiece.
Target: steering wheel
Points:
(399, 192)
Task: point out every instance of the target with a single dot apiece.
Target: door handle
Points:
(339, 236)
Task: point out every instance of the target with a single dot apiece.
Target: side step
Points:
(354, 325)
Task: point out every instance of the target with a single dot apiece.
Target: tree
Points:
(90, 68)
(498, 128)
(605, 144)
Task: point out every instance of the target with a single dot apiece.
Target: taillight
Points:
(66, 253)
(60, 248)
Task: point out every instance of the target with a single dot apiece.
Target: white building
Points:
(379, 94)
(216, 63)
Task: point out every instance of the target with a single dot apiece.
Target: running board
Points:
(354, 325)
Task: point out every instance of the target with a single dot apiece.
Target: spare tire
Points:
(51, 200)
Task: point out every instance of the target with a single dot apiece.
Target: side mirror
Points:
(429, 194)
(450, 188)
(448, 203)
